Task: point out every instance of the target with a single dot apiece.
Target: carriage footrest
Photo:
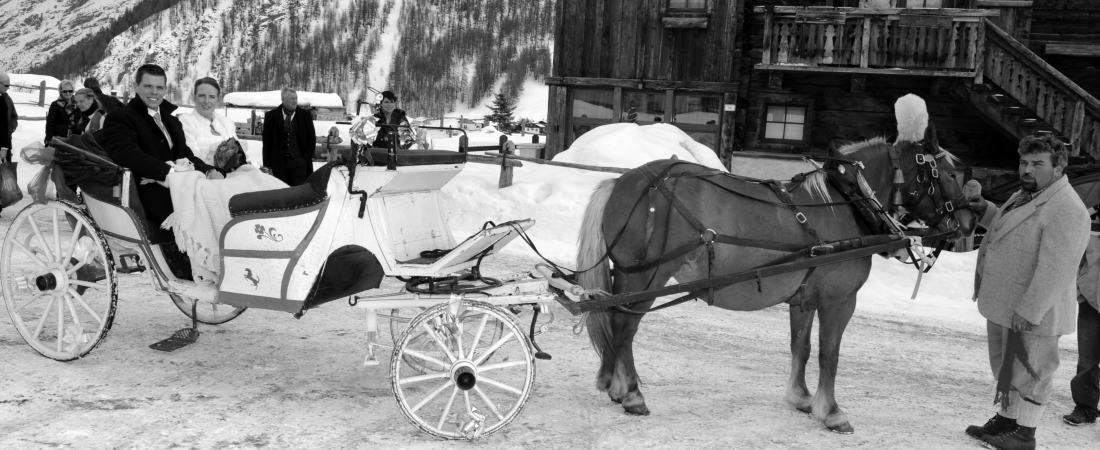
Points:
(131, 263)
(178, 340)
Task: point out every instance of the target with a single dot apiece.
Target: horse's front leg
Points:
(625, 383)
(834, 317)
(802, 323)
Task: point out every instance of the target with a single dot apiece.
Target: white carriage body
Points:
(272, 260)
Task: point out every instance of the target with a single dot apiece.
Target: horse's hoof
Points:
(844, 428)
(613, 398)
(806, 408)
(640, 410)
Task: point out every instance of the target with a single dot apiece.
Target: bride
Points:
(204, 128)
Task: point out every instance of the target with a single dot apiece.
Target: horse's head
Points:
(927, 186)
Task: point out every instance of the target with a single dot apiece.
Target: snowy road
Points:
(714, 379)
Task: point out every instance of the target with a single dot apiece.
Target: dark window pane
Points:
(699, 109)
(593, 103)
(643, 106)
(687, 4)
(579, 130)
(707, 138)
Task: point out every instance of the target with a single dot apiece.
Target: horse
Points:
(644, 223)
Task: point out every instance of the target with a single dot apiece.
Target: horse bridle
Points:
(904, 196)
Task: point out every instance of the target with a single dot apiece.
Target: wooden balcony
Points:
(918, 41)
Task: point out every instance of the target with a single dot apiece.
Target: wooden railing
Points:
(1056, 99)
(943, 40)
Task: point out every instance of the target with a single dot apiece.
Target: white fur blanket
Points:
(202, 211)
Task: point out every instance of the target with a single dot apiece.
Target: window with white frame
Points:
(787, 123)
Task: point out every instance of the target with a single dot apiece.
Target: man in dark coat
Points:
(146, 138)
(289, 140)
(9, 119)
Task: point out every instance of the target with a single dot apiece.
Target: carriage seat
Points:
(312, 192)
(381, 157)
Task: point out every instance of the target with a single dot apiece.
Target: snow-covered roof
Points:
(271, 99)
(30, 80)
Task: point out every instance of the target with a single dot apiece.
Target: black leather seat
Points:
(381, 157)
(310, 193)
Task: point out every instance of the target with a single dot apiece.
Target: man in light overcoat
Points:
(1026, 288)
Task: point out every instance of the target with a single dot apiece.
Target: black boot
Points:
(1022, 438)
(997, 425)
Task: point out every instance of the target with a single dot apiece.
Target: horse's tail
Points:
(592, 253)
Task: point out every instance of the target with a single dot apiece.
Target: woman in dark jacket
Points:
(389, 114)
(86, 105)
(62, 113)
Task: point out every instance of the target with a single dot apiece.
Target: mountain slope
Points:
(31, 31)
(438, 55)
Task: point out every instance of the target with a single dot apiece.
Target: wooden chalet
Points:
(796, 76)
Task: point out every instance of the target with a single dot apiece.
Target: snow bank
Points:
(630, 145)
(29, 80)
(271, 99)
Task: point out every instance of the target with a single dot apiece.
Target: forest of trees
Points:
(450, 53)
(90, 50)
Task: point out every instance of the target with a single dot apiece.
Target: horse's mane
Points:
(816, 184)
(857, 146)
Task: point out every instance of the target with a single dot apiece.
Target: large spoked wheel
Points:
(208, 312)
(459, 387)
(60, 286)
(400, 319)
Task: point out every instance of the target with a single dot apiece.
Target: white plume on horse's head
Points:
(912, 115)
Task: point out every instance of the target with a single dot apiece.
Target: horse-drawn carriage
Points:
(379, 215)
(291, 250)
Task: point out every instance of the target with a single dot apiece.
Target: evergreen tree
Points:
(502, 108)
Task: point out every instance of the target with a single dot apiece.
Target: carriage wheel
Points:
(209, 313)
(459, 387)
(399, 322)
(59, 280)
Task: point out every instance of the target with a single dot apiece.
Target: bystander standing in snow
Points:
(1085, 386)
(289, 140)
(9, 119)
(62, 114)
(1025, 287)
(86, 107)
(204, 127)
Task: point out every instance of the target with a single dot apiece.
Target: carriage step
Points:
(131, 263)
(178, 340)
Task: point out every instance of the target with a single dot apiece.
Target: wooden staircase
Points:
(1020, 95)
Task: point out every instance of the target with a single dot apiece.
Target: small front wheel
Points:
(59, 280)
(453, 383)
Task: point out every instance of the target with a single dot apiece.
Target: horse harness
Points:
(870, 213)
